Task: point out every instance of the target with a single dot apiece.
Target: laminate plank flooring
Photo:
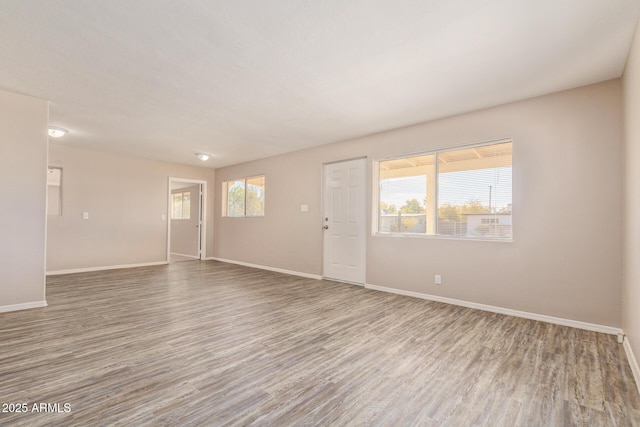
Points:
(208, 343)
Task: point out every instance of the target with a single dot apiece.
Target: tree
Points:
(255, 200)
(449, 212)
(473, 207)
(235, 200)
(388, 209)
(412, 206)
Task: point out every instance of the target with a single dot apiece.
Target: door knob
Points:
(326, 227)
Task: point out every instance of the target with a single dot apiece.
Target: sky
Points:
(454, 188)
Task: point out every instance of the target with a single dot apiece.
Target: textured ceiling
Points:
(164, 79)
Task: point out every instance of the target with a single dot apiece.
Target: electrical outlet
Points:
(438, 279)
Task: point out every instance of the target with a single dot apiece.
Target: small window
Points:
(181, 205)
(244, 197)
(463, 193)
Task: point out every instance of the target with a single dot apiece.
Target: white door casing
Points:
(344, 221)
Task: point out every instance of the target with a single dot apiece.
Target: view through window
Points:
(181, 205)
(244, 197)
(464, 193)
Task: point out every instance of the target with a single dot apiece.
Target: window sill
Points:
(441, 237)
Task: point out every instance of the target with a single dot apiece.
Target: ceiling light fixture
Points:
(56, 132)
(203, 156)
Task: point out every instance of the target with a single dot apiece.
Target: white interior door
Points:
(186, 228)
(344, 221)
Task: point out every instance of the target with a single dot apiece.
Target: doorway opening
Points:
(186, 228)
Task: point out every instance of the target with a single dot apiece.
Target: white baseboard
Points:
(185, 255)
(23, 306)
(633, 362)
(517, 313)
(265, 267)
(108, 267)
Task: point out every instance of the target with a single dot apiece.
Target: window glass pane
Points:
(474, 192)
(255, 196)
(407, 195)
(176, 206)
(186, 205)
(235, 198)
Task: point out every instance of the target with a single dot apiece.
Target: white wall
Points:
(125, 198)
(566, 256)
(631, 290)
(23, 172)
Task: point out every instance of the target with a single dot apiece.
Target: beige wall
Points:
(631, 289)
(565, 259)
(184, 234)
(125, 198)
(23, 172)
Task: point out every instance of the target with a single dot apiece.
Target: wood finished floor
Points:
(207, 343)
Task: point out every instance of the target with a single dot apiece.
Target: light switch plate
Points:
(85, 215)
(304, 208)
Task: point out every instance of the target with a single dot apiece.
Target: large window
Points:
(463, 193)
(244, 197)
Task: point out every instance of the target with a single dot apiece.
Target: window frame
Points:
(225, 196)
(375, 197)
